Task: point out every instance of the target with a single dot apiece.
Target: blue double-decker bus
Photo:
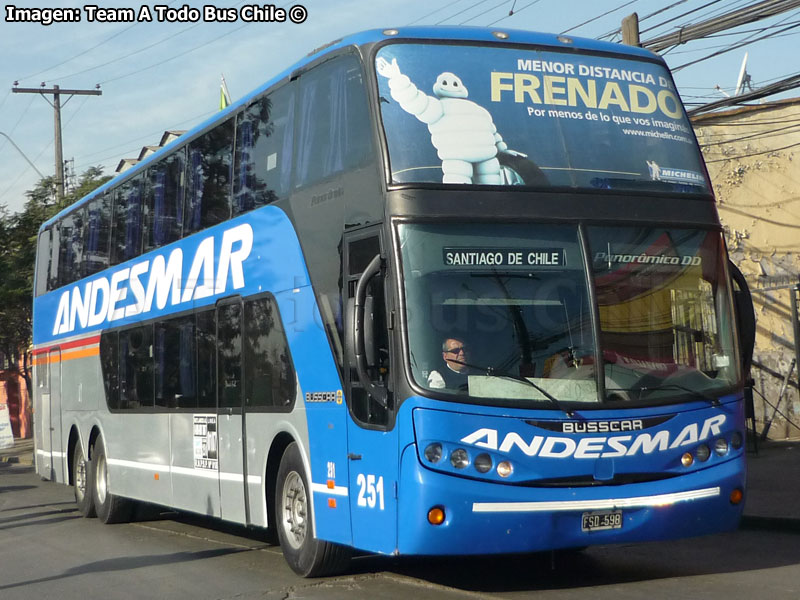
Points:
(429, 291)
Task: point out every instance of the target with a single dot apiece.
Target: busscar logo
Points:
(599, 446)
(604, 426)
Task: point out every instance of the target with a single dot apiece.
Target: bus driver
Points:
(455, 372)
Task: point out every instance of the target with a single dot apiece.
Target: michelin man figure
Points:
(462, 132)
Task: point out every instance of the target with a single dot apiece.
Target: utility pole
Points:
(56, 104)
(630, 30)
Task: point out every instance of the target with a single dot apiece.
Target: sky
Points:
(159, 75)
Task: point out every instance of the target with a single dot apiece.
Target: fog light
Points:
(721, 446)
(736, 496)
(459, 458)
(736, 440)
(483, 463)
(702, 453)
(505, 468)
(436, 515)
(433, 453)
(687, 460)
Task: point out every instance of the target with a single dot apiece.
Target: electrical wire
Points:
(512, 13)
(108, 39)
(488, 10)
(620, 7)
(433, 12)
(777, 410)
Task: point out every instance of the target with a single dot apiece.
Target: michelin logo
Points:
(596, 447)
(658, 173)
(158, 282)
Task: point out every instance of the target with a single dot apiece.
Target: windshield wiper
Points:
(713, 401)
(494, 372)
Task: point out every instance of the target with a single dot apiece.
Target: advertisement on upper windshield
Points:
(480, 115)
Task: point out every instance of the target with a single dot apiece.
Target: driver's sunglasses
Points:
(457, 350)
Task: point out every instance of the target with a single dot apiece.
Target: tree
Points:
(18, 240)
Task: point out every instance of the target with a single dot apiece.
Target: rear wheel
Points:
(110, 507)
(82, 477)
(306, 555)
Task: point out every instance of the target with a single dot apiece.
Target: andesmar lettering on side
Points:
(136, 289)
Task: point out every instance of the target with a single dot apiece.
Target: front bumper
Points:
(488, 518)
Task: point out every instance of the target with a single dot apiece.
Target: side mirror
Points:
(745, 316)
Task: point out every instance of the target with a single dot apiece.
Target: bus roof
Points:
(446, 33)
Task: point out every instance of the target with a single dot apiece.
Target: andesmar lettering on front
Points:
(596, 446)
(159, 282)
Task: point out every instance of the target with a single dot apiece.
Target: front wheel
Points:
(110, 507)
(307, 556)
(82, 471)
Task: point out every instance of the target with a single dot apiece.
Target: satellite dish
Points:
(743, 79)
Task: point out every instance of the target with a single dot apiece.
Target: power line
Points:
(742, 16)
(621, 6)
(512, 13)
(734, 47)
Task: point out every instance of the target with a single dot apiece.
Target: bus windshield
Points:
(511, 116)
(504, 312)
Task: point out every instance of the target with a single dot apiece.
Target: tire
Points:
(306, 555)
(83, 477)
(110, 507)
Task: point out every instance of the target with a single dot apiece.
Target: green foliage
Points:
(18, 240)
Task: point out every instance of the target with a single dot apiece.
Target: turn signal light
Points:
(736, 496)
(436, 515)
(687, 459)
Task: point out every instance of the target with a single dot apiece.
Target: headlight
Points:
(483, 463)
(703, 452)
(433, 452)
(505, 468)
(736, 440)
(459, 458)
(721, 446)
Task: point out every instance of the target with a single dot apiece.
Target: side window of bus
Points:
(175, 363)
(269, 377)
(205, 334)
(333, 121)
(109, 364)
(136, 367)
(208, 179)
(55, 251)
(127, 232)
(164, 201)
(229, 357)
(263, 159)
(42, 262)
(98, 234)
(70, 247)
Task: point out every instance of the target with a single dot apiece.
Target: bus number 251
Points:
(370, 491)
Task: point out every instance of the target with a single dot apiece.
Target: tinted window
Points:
(263, 163)
(109, 363)
(209, 179)
(164, 202)
(229, 344)
(206, 359)
(333, 121)
(42, 262)
(268, 373)
(98, 233)
(127, 236)
(175, 363)
(136, 367)
(70, 247)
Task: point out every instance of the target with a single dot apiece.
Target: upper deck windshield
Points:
(459, 114)
(504, 312)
